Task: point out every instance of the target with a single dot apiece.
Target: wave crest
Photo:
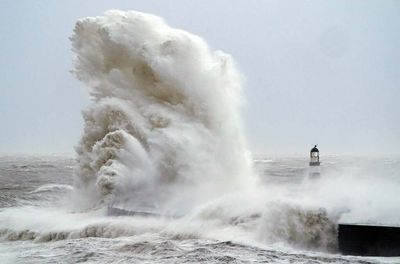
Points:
(307, 228)
(164, 126)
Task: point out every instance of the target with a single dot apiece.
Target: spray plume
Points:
(163, 129)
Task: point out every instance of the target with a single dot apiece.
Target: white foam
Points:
(164, 128)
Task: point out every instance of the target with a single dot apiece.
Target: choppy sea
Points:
(38, 223)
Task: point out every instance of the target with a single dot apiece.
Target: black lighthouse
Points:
(314, 156)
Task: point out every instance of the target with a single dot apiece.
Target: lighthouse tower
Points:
(314, 156)
(314, 163)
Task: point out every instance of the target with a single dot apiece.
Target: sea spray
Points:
(164, 133)
(164, 129)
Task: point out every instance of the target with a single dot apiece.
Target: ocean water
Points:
(163, 136)
(39, 224)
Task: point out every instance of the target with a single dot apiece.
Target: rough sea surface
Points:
(163, 138)
(38, 223)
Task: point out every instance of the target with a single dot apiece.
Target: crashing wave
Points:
(163, 129)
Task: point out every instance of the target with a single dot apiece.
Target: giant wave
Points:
(163, 130)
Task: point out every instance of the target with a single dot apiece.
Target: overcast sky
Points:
(317, 72)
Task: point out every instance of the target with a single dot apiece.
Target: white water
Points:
(164, 128)
(163, 133)
(287, 220)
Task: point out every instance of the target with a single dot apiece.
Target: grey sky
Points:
(325, 72)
